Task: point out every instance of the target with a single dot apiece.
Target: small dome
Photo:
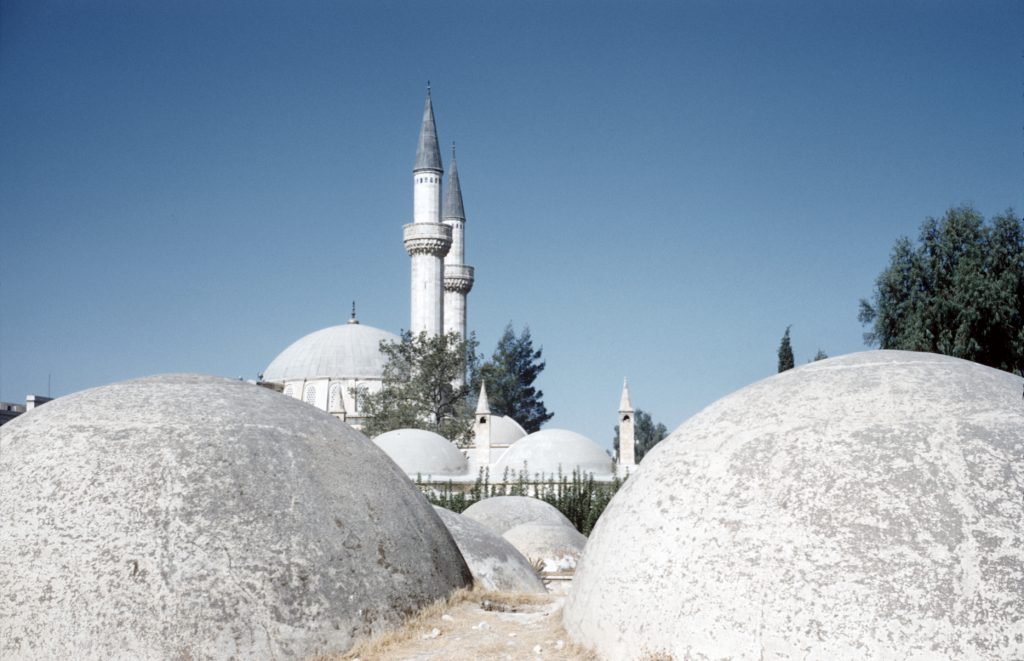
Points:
(866, 506)
(348, 351)
(422, 452)
(556, 546)
(186, 516)
(502, 513)
(495, 563)
(552, 450)
(505, 430)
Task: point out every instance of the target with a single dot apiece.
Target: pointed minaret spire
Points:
(625, 404)
(453, 209)
(428, 151)
(483, 407)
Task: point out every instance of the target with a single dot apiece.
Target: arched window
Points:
(359, 392)
(310, 396)
(334, 402)
(289, 390)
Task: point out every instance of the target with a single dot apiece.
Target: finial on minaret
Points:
(353, 319)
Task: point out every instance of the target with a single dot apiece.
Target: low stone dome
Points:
(495, 563)
(186, 516)
(557, 546)
(502, 513)
(866, 506)
(422, 452)
(505, 430)
(552, 450)
(350, 351)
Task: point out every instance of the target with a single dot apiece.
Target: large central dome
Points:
(350, 351)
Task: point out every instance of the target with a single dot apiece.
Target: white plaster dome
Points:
(549, 450)
(502, 513)
(505, 430)
(422, 452)
(865, 506)
(349, 351)
(186, 516)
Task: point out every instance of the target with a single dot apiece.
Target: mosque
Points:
(334, 368)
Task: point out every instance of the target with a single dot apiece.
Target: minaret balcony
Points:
(427, 239)
(458, 278)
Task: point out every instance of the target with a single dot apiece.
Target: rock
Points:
(185, 516)
(495, 563)
(502, 513)
(866, 506)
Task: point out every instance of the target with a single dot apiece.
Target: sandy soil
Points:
(475, 624)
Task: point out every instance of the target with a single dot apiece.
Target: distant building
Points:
(9, 411)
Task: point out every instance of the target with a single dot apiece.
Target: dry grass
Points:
(471, 605)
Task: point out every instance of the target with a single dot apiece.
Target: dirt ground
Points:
(474, 624)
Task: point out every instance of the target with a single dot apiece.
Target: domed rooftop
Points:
(866, 506)
(502, 513)
(347, 351)
(550, 450)
(495, 563)
(505, 430)
(422, 452)
(185, 516)
(557, 546)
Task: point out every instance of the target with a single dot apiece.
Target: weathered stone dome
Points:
(557, 546)
(495, 563)
(422, 452)
(549, 451)
(349, 351)
(503, 513)
(187, 516)
(866, 506)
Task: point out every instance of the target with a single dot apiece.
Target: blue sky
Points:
(657, 188)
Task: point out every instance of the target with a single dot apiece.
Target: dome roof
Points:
(350, 351)
(550, 450)
(191, 516)
(557, 546)
(505, 430)
(865, 506)
(502, 513)
(422, 452)
(495, 563)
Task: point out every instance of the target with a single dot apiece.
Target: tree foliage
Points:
(821, 355)
(646, 433)
(785, 352)
(958, 292)
(423, 386)
(510, 374)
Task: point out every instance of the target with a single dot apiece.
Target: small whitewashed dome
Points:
(556, 546)
(347, 351)
(495, 563)
(867, 506)
(422, 452)
(186, 516)
(502, 513)
(505, 430)
(549, 451)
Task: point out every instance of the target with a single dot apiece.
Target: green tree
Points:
(423, 387)
(821, 355)
(646, 433)
(510, 374)
(785, 352)
(958, 292)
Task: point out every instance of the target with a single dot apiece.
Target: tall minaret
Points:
(627, 436)
(458, 278)
(427, 239)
